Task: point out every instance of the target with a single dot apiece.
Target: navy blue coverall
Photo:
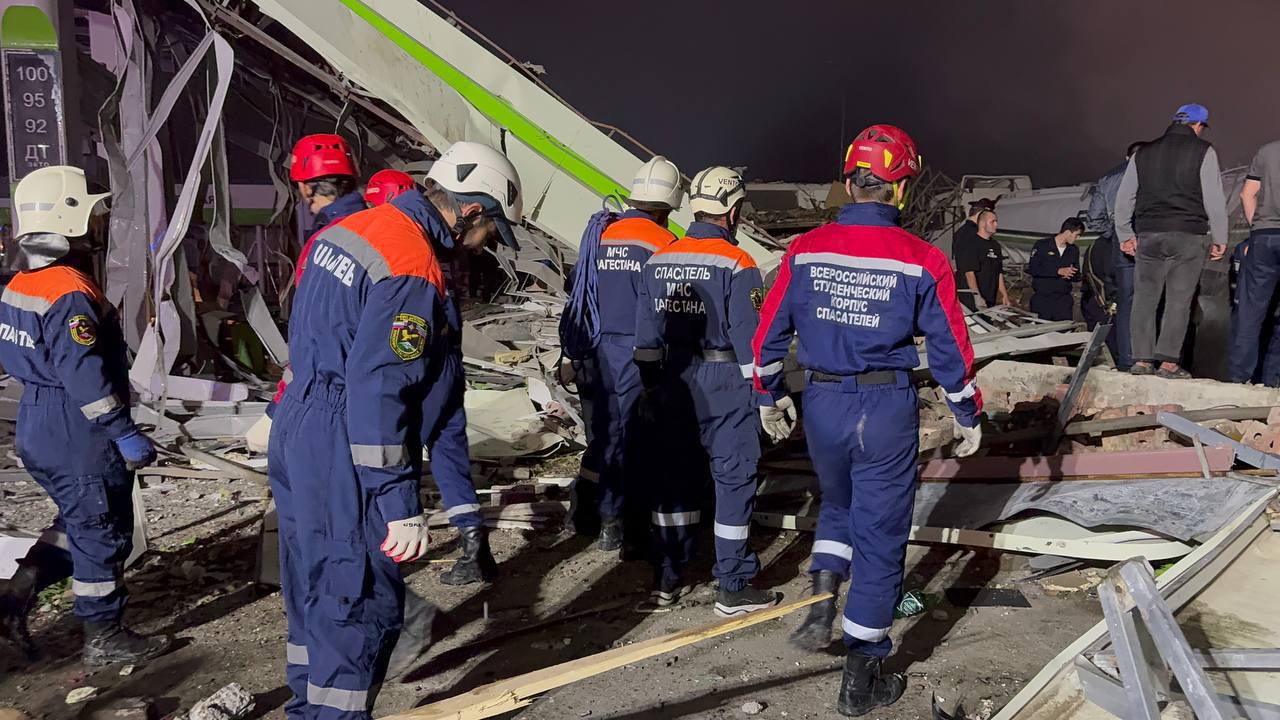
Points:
(59, 337)
(856, 292)
(1256, 262)
(345, 451)
(610, 378)
(698, 308)
(1052, 292)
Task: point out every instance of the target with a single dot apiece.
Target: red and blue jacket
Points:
(369, 313)
(701, 292)
(56, 330)
(857, 292)
(625, 246)
(344, 206)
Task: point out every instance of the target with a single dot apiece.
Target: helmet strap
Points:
(900, 194)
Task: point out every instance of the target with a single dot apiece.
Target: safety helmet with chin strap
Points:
(475, 172)
(52, 209)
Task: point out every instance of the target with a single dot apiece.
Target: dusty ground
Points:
(196, 583)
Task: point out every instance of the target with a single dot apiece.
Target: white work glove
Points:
(259, 435)
(406, 539)
(970, 438)
(981, 302)
(779, 420)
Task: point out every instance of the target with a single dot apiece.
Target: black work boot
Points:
(476, 564)
(864, 689)
(731, 603)
(110, 642)
(17, 597)
(610, 534)
(815, 632)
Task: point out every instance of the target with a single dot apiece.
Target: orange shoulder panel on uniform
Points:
(713, 246)
(399, 240)
(645, 231)
(52, 283)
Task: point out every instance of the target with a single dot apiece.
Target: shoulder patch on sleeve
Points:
(409, 336)
(83, 330)
(757, 298)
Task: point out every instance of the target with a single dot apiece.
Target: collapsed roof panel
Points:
(451, 88)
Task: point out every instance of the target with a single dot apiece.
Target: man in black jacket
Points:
(1054, 267)
(1172, 214)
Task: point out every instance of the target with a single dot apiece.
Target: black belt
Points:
(703, 354)
(723, 356)
(877, 377)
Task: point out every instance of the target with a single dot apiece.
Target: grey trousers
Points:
(1167, 264)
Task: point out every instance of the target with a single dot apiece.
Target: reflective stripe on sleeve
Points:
(968, 391)
(748, 370)
(379, 456)
(772, 368)
(296, 654)
(100, 407)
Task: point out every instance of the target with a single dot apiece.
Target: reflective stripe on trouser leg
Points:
(677, 482)
(85, 477)
(293, 581)
(727, 421)
(355, 603)
(828, 441)
(883, 427)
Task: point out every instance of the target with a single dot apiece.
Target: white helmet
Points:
(476, 172)
(716, 190)
(54, 199)
(657, 182)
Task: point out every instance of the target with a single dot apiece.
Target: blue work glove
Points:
(136, 449)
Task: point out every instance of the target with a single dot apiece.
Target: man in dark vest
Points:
(1172, 215)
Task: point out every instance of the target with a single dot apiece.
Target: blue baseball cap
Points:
(1192, 113)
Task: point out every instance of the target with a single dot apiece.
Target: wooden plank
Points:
(1069, 401)
(514, 693)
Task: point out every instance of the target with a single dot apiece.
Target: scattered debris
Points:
(230, 703)
(753, 707)
(126, 709)
(962, 597)
(81, 694)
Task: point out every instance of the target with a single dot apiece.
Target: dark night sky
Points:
(1053, 88)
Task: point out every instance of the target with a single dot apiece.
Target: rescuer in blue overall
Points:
(445, 436)
(345, 459)
(60, 338)
(856, 291)
(605, 494)
(323, 171)
(697, 310)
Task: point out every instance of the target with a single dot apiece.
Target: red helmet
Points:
(321, 155)
(887, 151)
(386, 184)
